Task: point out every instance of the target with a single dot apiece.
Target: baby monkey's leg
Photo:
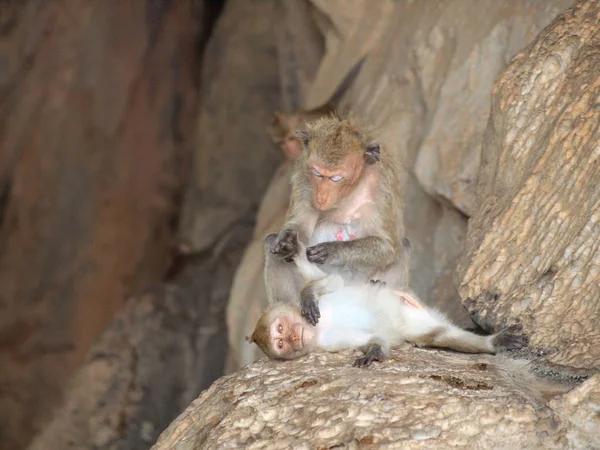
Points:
(376, 350)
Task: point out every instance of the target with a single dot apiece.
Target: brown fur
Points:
(261, 335)
(334, 140)
(387, 224)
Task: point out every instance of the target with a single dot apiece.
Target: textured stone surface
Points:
(234, 157)
(532, 248)
(96, 114)
(418, 399)
(156, 357)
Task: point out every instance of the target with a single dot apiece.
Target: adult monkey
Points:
(346, 208)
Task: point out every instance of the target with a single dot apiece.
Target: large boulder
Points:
(417, 399)
(532, 253)
(97, 107)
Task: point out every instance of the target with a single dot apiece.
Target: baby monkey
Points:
(370, 317)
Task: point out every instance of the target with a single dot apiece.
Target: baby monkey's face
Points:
(282, 333)
(291, 336)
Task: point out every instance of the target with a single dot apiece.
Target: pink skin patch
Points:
(340, 235)
(409, 300)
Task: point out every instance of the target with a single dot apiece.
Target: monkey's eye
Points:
(280, 343)
(316, 172)
(337, 178)
(280, 328)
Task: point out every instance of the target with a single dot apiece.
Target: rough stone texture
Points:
(418, 399)
(96, 112)
(156, 357)
(234, 157)
(532, 251)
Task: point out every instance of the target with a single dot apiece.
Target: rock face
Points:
(155, 358)
(234, 157)
(531, 254)
(96, 113)
(418, 399)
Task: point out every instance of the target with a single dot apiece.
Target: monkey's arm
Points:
(282, 282)
(359, 255)
(376, 350)
(299, 225)
(318, 283)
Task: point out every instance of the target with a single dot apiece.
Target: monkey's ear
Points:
(372, 153)
(302, 136)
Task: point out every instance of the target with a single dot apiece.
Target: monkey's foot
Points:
(317, 253)
(286, 244)
(378, 283)
(375, 353)
(309, 307)
(507, 340)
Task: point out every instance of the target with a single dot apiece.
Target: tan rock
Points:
(532, 254)
(418, 399)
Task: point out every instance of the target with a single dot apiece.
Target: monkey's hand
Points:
(375, 353)
(507, 340)
(308, 305)
(286, 244)
(325, 251)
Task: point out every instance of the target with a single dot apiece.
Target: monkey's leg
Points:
(375, 350)
(283, 282)
(427, 329)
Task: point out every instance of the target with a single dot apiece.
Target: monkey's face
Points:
(281, 131)
(283, 333)
(332, 185)
(291, 336)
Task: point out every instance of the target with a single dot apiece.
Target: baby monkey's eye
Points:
(280, 343)
(280, 328)
(337, 178)
(316, 172)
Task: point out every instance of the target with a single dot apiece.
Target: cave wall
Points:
(97, 111)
